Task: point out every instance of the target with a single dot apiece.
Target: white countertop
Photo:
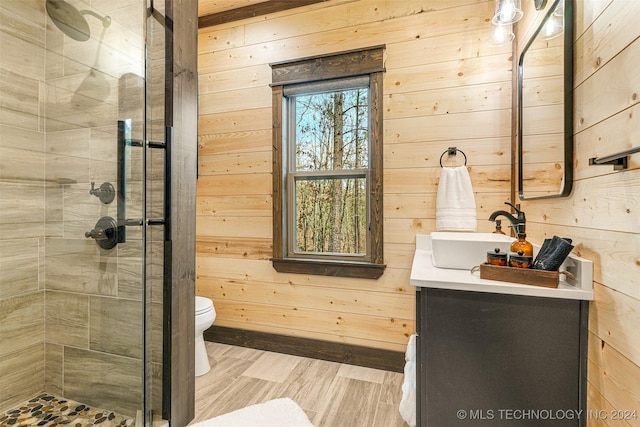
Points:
(424, 274)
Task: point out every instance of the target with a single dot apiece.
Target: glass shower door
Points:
(74, 301)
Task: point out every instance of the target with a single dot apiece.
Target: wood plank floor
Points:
(331, 394)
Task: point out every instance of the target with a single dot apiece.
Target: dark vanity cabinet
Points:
(488, 359)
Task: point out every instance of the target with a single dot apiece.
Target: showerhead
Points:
(70, 20)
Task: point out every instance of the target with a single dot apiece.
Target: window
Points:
(327, 164)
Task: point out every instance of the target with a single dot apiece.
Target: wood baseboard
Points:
(305, 347)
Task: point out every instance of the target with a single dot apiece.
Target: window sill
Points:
(363, 270)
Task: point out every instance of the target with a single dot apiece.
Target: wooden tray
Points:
(526, 276)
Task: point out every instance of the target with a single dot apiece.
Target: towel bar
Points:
(618, 160)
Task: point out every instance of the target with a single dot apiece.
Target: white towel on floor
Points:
(408, 402)
(455, 203)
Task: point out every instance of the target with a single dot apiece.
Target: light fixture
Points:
(507, 12)
(502, 35)
(555, 23)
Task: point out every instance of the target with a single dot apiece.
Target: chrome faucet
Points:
(517, 222)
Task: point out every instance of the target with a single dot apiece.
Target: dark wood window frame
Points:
(361, 62)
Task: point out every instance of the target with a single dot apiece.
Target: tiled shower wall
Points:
(22, 200)
(70, 312)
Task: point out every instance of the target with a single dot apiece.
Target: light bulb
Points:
(552, 28)
(549, 28)
(508, 12)
(502, 34)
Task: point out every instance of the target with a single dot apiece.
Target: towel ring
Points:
(452, 151)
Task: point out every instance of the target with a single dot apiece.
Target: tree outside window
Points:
(330, 148)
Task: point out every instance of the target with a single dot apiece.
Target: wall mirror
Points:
(545, 106)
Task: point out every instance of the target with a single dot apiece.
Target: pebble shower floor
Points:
(46, 410)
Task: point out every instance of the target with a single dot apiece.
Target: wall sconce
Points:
(510, 11)
(507, 13)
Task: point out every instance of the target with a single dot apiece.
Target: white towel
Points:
(408, 402)
(455, 204)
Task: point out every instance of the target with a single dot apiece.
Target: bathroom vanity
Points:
(498, 353)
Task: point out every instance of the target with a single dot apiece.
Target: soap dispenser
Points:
(521, 244)
(498, 229)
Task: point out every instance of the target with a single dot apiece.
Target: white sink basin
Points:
(463, 251)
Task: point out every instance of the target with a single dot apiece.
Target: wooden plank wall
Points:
(444, 86)
(601, 215)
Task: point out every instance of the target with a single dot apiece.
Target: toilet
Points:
(205, 315)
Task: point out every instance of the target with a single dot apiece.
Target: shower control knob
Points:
(96, 233)
(105, 233)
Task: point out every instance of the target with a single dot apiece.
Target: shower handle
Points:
(96, 233)
(105, 233)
